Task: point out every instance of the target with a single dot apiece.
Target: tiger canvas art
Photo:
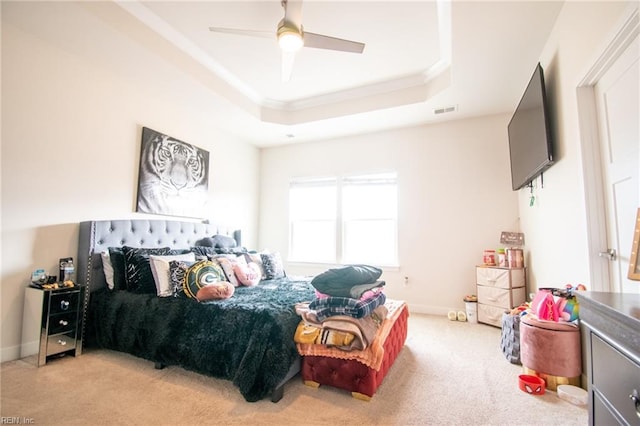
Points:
(174, 176)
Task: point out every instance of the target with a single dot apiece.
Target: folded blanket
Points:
(366, 295)
(347, 281)
(329, 306)
(341, 331)
(373, 355)
(307, 333)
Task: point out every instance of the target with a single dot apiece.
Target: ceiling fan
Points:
(292, 37)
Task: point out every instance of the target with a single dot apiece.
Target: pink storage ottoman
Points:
(551, 350)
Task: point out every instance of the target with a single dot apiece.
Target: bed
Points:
(246, 338)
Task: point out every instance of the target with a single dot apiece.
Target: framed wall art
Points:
(173, 178)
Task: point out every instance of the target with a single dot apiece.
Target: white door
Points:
(618, 107)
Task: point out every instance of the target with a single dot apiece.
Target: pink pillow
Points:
(248, 274)
(216, 291)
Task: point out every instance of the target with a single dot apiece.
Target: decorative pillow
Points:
(218, 241)
(236, 251)
(116, 256)
(273, 266)
(248, 274)
(217, 291)
(206, 242)
(226, 262)
(257, 259)
(138, 273)
(223, 241)
(160, 271)
(203, 252)
(107, 267)
(189, 277)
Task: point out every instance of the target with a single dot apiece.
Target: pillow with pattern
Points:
(206, 251)
(248, 274)
(116, 257)
(187, 278)
(160, 271)
(107, 268)
(253, 257)
(138, 274)
(203, 252)
(273, 266)
(226, 262)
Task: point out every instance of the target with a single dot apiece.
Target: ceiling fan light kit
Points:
(292, 38)
(289, 38)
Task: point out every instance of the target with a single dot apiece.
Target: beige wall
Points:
(454, 199)
(555, 227)
(71, 130)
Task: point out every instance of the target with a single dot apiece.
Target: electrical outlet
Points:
(406, 280)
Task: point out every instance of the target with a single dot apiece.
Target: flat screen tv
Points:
(530, 141)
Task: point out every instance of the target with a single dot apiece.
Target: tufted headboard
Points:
(97, 236)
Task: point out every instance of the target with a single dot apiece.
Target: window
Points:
(344, 219)
(312, 220)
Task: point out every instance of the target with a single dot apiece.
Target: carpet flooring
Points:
(448, 373)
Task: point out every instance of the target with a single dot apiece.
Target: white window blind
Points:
(344, 219)
(312, 220)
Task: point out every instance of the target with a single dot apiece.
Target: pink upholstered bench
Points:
(352, 375)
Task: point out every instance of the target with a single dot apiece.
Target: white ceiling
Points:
(419, 56)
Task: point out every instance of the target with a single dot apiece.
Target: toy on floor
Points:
(553, 304)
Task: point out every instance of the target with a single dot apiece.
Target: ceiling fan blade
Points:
(319, 41)
(293, 12)
(250, 33)
(287, 65)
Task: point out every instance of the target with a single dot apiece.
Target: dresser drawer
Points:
(501, 298)
(490, 315)
(64, 302)
(602, 415)
(61, 343)
(615, 376)
(500, 278)
(61, 323)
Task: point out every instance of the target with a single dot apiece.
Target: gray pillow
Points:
(217, 241)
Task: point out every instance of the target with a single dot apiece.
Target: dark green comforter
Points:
(247, 339)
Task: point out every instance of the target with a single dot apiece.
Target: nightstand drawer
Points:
(64, 302)
(61, 323)
(501, 298)
(52, 322)
(615, 377)
(500, 278)
(61, 343)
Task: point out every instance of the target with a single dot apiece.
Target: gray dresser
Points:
(610, 327)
